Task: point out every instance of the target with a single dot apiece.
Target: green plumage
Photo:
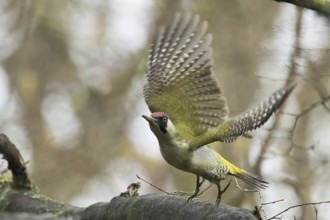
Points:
(190, 109)
(180, 80)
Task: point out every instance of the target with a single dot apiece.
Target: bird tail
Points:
(250, 179)
(255, 181)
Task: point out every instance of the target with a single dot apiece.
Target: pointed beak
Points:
(149, 119)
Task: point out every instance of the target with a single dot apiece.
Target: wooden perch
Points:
(20, 199)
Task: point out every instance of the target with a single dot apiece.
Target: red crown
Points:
(158, 114)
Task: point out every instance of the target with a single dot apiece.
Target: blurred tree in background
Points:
(71, 80)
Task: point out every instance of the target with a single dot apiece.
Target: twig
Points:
(316, 212)
(245, 190)
(205, 189)
(276, 201)
(295, 206)
(321, 102)
(152, 185)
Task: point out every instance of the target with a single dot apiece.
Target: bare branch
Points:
(316, 212)
(152, 185)
(295, 206)
(15, 163)
(244, 189)
(276, 201)
(205, 189)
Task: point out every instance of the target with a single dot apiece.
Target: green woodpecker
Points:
(189, 109)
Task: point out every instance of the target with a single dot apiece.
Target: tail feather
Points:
(255, 181)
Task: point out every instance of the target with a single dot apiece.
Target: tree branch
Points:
(21, 196)
(295, 206)
(15, 163)
(321, 6)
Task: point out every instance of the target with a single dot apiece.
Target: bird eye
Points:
(164, 119)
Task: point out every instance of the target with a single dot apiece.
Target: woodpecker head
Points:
(160, 124)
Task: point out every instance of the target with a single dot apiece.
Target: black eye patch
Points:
(162, 122)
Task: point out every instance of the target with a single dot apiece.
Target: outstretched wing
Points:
(246, 122)
(180, 80)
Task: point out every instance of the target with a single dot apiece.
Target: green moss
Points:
(5, 179)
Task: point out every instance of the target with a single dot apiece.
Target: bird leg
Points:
(220, 192)
(198, 185)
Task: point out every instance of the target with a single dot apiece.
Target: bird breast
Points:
(202, 161)
(177, 154)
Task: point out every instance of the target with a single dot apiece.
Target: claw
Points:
(220, 192)
(198, 185)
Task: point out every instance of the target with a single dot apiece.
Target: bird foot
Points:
(190, 198)
(220, 192)
(198, 185)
